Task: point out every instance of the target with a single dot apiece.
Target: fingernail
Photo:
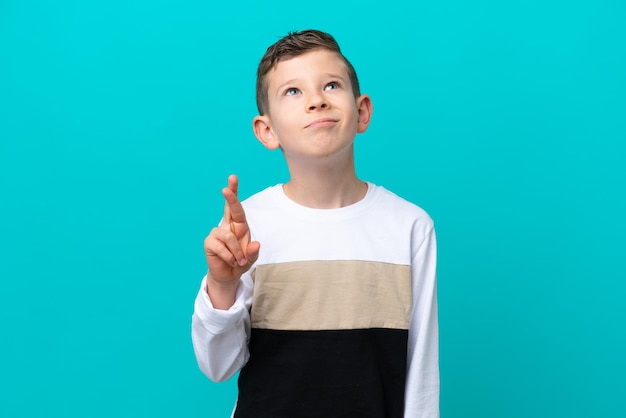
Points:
(243, 262)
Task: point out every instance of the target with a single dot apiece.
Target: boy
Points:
(321, 290)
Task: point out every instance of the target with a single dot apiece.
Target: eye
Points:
(291, 91)
(332, 85)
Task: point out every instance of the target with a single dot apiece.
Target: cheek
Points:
(281, 125)
(282, 130)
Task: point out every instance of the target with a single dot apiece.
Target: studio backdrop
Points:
(121, 120)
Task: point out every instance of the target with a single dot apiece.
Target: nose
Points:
(317, 101)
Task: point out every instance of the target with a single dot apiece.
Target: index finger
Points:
(233, 205)
(233, 185)
(233, 211)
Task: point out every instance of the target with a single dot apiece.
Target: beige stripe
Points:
(331, 295)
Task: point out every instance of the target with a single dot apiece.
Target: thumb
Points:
(252, 251)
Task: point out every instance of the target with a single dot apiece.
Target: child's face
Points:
(312, 109)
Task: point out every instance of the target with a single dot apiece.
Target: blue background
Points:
(120, 121)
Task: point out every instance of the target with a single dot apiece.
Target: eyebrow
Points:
(332, 75)
(285, 84)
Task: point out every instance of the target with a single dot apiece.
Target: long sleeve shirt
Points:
(338, 316)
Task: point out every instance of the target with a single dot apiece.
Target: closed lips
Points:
(321, 122)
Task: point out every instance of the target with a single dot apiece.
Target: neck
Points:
(324, 186)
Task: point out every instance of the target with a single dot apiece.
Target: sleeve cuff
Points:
(216, 320)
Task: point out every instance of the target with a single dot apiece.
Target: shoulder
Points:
(263, 198)
(390, 204)
(264, 206)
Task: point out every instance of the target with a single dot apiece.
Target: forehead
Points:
(317, 62)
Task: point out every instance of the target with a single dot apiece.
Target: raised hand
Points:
(228, 249)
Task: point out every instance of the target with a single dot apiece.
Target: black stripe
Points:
(324, 374)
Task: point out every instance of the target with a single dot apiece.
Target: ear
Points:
(364, 109)
(263, 131)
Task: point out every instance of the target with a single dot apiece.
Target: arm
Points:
(221, 323)
(220, 336)
(422, 385)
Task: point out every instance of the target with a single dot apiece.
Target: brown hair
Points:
(292, 45)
